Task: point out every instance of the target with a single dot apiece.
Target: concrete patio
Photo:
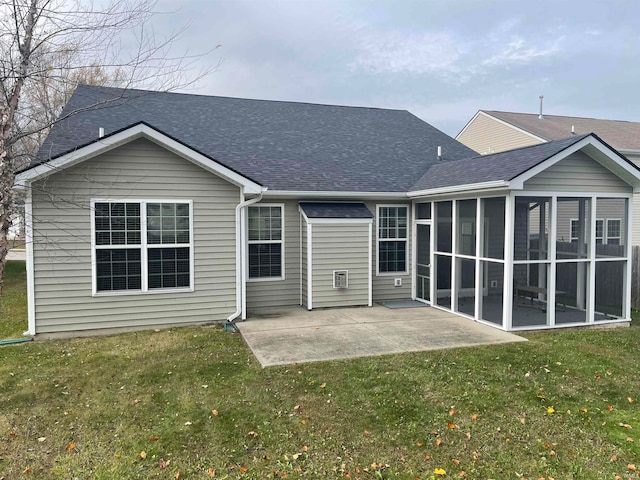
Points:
(290, 335)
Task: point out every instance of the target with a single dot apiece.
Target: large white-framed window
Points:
(392, 239)
(141, 246)
(265, 238)
(610, 235)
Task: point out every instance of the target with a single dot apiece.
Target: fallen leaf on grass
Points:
(214, 412)
(629, 439)
(323, 385)
(252, 434)
(550, 410)
(26, 470)
(610, 407)
(163, 464)
(452, 412)
(452, 425)
(143, 454)
(474, 416)
(211, 472)
(441, 472)
(438, 442)
(629, 399)
(155, 438)
(631, 467)
(42, 439)
(625, 425)
(71, 446)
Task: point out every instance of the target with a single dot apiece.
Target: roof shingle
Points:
(281, 145)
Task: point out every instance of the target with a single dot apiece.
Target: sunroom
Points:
(528, 239)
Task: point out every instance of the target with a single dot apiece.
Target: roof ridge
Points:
(156, 92)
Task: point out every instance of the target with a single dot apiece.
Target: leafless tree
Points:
(47, 47)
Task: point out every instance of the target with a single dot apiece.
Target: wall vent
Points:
(340, 279)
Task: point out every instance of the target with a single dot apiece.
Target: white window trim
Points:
(606, 230)
(143, 249)
(253, 242)
(603, 220)
(378, 240)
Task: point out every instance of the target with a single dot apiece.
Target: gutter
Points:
(240, 271)
(471, 187)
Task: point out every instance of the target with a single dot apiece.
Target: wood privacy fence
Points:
(635, 278)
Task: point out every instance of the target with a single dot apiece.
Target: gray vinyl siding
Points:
(304, 255)
(340, 247)
(62, 249)
(383, 284)
(635, 226)
(577, 173)
(485, 135)
(276, 293)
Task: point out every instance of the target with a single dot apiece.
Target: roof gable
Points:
(126, 135)
(622, 135)
(510, 169)
(284, 146)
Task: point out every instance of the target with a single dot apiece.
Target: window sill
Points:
(264, 279)
(154, 291)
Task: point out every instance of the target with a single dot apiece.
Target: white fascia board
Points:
(605, 156)
(110, 142)
(497, 184)
(308, 194)
(628, 151)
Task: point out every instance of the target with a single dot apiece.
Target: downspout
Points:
(240, 271)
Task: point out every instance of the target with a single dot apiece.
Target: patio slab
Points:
(294, 335)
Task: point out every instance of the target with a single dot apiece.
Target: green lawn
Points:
(13, 305)
(194, 402)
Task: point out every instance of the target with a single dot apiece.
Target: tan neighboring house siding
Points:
(485, 134)
(139, 170)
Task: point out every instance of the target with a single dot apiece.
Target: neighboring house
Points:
(492, 131)
(165, 209)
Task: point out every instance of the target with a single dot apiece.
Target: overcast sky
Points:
(443, 60)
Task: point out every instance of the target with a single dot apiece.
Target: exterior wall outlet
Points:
(494, 284)
(397, 282)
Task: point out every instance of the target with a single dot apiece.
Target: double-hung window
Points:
(265, 239)
(142, 246)
(613, 231)
(392, 239)
(599, 230)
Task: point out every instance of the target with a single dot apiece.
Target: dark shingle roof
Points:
(495, 167)
(281, 145)
(335, 210)
(617, 133)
